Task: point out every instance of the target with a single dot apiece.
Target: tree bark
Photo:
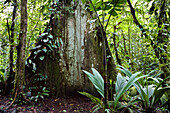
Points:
(20, 74)
(124, 43)
(79, 50)
(162, 40)
(12, 38)
(116, 47)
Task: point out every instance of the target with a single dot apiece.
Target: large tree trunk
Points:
(79, 50)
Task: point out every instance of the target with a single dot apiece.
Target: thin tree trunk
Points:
(129, 40)
(161, 40)
(12, 38)
(20, 75)
(116, 47)
(124, 43)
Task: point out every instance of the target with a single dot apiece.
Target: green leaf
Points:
(120, 83)
(30, 61)
(50, 47)
(129, 104)
(61, 41)
(2, 75)
(46, 94)
(150, 91)
(98, 4)
(34, 66)
(45, 40)
(54, 46)
(96, 108)
(158, 93)
(130, 82)
(43, 34)
(97, 80)
(46, 91)
(83, 1)
(91, 7)
(42, 97)
(92, 98)
(42, 57)
(98, 76)
(37, 47)
(125, 71)
(153, 79)
(143, 95)
(44, 88)
(2, 70)
(50, 36)
(45, 50)
(113, 12)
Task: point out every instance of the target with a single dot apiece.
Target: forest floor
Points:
(71, 104)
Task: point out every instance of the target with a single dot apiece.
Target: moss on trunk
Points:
(79, 50)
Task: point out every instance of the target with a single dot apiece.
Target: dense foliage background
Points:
(137, 33)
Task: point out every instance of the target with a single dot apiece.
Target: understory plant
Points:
(40, 95)
(5, 81)
(150, 91)
(122, 85)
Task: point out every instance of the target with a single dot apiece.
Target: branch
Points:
(96, 14)
(162, 12)
(111, 14)
(8, 29)
(137, 22)
(135, 19)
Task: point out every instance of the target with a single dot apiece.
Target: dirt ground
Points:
(71, 104)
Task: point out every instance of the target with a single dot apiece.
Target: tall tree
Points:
(12, 37)
(11, 44)
(160, 41)
(20, 73)
(77, 49)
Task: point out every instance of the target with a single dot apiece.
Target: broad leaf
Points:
(93, 99)
(42, 57)
(50, 36)
(158, 93)
(97, 81)
(130, 82)
(150, 91)
(120, 83)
